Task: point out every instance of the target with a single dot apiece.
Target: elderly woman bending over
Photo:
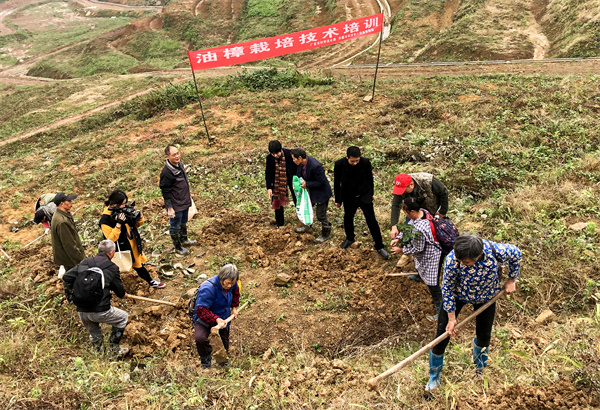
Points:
(471, 276)
(218, 298)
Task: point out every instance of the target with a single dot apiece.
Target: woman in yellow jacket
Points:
(119, 223)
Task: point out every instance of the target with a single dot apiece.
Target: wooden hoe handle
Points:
(372, 383)
(164, 302)
(230, 318)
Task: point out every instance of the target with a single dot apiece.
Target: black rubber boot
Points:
(206, 361)
(325, 232)
(184, 237)
(116, 335)
(177, 244)
(98, 346)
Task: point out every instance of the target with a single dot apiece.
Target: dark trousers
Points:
(201, 334)
(279, 212)
(483, 325)
(179, 220)
(436, 295)
(350, 208)
(143, 273)
(321, 214)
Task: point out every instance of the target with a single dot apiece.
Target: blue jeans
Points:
(178, 221)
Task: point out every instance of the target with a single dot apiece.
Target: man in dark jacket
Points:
(427, 189)
(92, 315)
(354, 188)
(279, 172)
(176, 193)
(318, 187)
(66, 245)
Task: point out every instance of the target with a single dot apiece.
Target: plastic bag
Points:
(303, 205)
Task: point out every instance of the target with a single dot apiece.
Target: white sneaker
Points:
(156, 284)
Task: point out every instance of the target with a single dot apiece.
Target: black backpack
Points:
(89, 285)
(191, 305)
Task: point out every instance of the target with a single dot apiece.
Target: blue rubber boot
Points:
(436, 362)
(480, 356)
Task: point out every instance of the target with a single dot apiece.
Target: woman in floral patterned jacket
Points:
(471, 276)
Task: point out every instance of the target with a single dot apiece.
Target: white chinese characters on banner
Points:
(285, 44)
(330, 33)
(371, 22)
(207, 58)
(308, 38)
(233, 52)
(351, 28)
(261, 47)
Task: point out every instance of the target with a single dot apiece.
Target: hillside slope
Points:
(519, 154)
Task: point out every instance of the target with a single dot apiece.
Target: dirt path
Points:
(535, 32)
(342, 52)
(7, 8)
(19, 71)
(104, 5)
(182, 75)
(548, 67)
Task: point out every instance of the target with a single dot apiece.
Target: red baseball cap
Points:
(400, 183)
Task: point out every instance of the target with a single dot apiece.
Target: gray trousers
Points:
(321, 214)
(91, 321)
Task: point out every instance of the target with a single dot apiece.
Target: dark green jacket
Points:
(66, 245)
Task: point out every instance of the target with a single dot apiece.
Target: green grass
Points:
(30, 106)
(521, 163)
(56, 36)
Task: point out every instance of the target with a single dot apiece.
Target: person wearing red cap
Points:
(427, 189)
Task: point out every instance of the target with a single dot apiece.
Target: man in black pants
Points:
(353, 187)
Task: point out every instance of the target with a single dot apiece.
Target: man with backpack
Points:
(88, 286)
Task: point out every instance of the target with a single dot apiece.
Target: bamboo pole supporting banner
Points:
(372, 383)
(201, 109)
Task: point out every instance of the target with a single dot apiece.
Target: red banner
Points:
(285, 44)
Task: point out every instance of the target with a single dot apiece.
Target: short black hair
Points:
(168, 149)
(468, 247)
(353, 152)
(411, 204)
(298, 153)
(274, 147)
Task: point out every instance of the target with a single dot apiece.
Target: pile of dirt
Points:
(562, 395)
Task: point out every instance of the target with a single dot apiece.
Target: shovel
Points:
(402, 274)
(219, 351)
(372, 383)
(164, 302)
